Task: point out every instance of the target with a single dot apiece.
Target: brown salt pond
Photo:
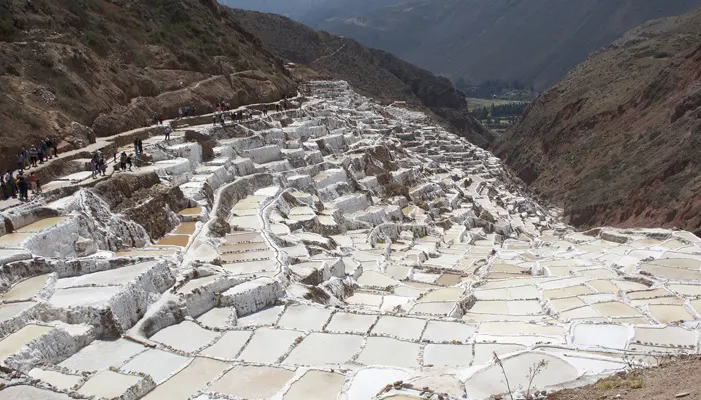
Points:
(173, 240)
(191, 212)
(449, 279)
(186, 228)
(13, 240)
(42, 224)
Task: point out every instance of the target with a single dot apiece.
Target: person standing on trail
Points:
(3, 187)
(93, 166)
(37, 183)
(32, 180)
(167, 133)
(265, 110)
(42, 152)
(136, 145)
(11, 185)
(23, 187)
(160, 119)
(54, 146)
(214, 120)
(27, 160)
(101, 163)
(20, 161)
(33, 156)
(141, 146)
(180, 112)
(123, 161)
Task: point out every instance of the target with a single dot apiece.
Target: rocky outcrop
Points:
(144, 200)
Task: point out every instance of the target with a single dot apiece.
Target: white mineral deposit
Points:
(326, 252)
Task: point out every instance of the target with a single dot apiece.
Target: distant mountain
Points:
(313, 13)
(618, 141)
(534, 42)
(372, 72)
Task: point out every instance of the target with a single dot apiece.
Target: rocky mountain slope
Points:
(78, 68)
(535, 42)
(618, 141)
(372, 72)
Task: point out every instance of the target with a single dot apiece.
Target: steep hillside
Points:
(77, 68)
(532, 41)
(618, 141)
(372, 72)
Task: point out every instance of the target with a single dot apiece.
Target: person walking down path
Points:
(136, 145)
(167, 132)
(141, 146)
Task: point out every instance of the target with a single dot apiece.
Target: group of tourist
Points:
(33, 156)
(186, 112)
(19, 185)
(122, 162)
(236, 116)
(98, 165)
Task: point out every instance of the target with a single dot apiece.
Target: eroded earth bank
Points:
(337, 250)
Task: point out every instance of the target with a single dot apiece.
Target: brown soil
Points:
(661, 383)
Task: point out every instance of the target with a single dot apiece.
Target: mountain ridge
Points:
(534, 42)
(617, 141)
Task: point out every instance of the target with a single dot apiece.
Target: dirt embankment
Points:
(670, 381)
(618, 141)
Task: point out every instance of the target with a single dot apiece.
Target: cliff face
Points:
(71, 69)
(372, 72)
(618, 141)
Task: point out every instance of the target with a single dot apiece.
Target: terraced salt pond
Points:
(327, 252)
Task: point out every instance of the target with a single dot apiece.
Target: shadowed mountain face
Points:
(372, 72)
(534, 42)
(618, 141)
